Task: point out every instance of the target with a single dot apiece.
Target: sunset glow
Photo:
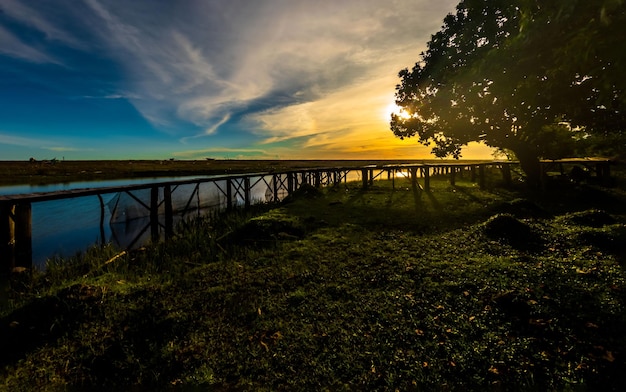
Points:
(296, 80)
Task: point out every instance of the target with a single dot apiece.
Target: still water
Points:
(66, 227)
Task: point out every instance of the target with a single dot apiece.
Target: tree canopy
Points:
(528, 76)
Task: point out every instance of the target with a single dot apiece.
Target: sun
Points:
(393, 108)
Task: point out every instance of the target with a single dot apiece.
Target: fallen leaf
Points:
(608, 356)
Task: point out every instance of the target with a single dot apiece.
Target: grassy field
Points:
(46, 172)
(343, 289)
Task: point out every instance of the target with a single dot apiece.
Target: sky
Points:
(196, 79)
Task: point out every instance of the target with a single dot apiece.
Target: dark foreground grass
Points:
(384, 289)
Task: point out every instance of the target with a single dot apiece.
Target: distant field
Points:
(42, 172)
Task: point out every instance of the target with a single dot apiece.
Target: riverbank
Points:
(341, 288)
(56, 171)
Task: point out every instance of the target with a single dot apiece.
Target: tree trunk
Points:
(529, 161)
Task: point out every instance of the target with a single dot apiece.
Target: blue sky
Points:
(187, 79)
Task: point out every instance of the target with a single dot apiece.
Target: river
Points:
(62, 228)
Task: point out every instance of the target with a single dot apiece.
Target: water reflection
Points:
(66, 227)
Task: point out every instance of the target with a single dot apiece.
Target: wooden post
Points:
(603, 171)
(452, 175)
(198, 198)
(275, 186)
(426, 174)
(169, 214)
(473, 173)
(481, 176)
(246, 184)
(229, 194)
(7, 238)
(290, 183)
(102, 235)
(371, 178)
(154, 213)
(364, 173)
(506, 174)
(23, 236)
(413, 171)
(318, 180)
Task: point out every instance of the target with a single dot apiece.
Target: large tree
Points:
(518, 75)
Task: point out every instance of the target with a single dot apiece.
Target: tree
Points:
(518, 75)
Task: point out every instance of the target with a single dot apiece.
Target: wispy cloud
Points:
(43, 144)
(218, 152)
(64, 149)
(317, 74)
(43, 19)
(12, 46)
(18, 140)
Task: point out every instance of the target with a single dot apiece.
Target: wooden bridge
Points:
(229, 191)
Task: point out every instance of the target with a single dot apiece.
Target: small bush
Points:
(509, 229)
(266, 229)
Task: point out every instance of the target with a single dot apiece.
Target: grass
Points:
(343, 289)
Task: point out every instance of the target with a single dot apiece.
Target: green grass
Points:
(344, 289)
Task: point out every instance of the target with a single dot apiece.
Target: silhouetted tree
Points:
(526, 76)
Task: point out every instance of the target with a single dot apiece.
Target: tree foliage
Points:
(518, 75)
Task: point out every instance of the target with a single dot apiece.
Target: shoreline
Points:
(58, 171)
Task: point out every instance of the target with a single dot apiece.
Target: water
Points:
(65, 227)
